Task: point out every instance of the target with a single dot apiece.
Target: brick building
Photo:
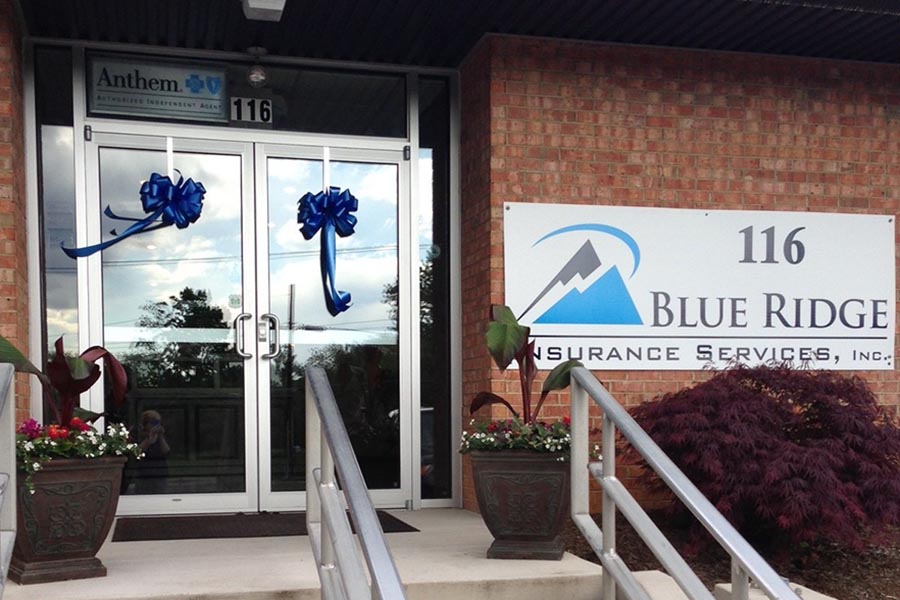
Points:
(452, 110)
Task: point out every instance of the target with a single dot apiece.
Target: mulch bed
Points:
(873, 574)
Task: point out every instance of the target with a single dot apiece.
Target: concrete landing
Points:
(444, 560)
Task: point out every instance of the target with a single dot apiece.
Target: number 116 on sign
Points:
(254, 110)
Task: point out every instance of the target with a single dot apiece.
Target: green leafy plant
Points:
(508, 341)
(72, 435)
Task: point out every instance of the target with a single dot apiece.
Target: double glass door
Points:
(215, 320)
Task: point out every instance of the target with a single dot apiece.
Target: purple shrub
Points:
(788, 456)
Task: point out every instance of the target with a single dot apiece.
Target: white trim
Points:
(269, 500)
(456, 374)
(88, 271)
(209, 132)
(414, 323)
(249, 251)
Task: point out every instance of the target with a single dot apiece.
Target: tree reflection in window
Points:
(201, 364)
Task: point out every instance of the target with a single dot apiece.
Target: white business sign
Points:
(126, 86)
(653, 288)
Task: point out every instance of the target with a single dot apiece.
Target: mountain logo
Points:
(606, 301)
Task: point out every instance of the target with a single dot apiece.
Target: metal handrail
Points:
(7, 470)
(328, 447)
(746, 563)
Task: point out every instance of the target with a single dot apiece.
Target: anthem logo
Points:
(593, 293)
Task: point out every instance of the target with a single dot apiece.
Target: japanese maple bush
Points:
(788, 456)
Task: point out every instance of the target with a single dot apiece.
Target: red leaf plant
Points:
(67, 377)
(791, 457)
(71, 436)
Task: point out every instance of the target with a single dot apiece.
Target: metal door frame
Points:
(90, 277)
(258, 494)
(270, 500)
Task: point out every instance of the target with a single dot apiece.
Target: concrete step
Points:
(723, 592)
(660, 586)
(445, 560)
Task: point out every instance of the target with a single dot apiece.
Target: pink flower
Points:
(31, 428)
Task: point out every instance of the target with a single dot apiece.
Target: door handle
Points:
(239, 335)
(275, 324)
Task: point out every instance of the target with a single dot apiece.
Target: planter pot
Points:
(524, 501)
(63, 524)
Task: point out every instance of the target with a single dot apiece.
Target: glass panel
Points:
(318, 101)
(359, 347)
(434, 287)
(53, 107)
(169, 298)
(58, 227)
(53, 85)
(337, 102)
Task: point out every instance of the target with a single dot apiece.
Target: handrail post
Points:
(313, 460)
(740, 582)
(329, 456)
(580, 454)
(328, 479)
(7, 466)
(609, 506)
(746, 562)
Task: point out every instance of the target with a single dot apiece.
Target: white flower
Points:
(36, 466)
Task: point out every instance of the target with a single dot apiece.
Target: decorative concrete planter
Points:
(63, 524)
(524, 501)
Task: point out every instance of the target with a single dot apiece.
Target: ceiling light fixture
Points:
(256, 74)
(263, 10)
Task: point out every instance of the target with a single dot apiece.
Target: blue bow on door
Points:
(168, 203)
(328, 211)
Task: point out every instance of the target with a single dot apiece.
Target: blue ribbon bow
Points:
(168, 203)
(329, 211)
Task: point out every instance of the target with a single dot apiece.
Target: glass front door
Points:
(360, 348)
(215, 321)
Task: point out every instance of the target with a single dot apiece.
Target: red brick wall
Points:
(481, 237)
(13, 253)
(586, 123)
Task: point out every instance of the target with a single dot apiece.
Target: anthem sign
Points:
(141, 88)
(650, 288)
